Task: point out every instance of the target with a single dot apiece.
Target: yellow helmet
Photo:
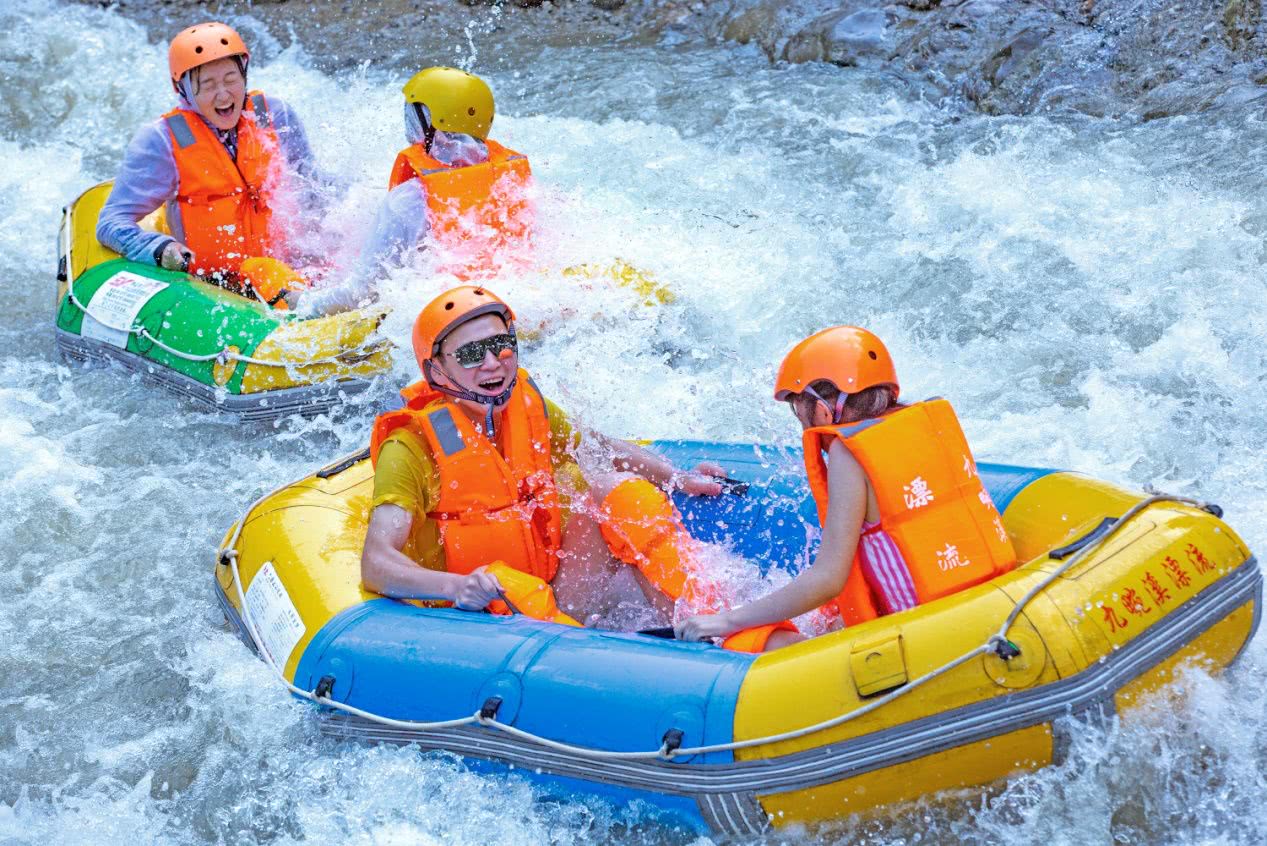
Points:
(458, 101)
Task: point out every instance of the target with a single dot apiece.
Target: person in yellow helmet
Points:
(478, 470)
(452, 190)
(215, 162)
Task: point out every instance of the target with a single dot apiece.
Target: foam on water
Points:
(1088, 294)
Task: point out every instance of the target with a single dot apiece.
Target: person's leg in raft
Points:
(632, 542)
(591, 580)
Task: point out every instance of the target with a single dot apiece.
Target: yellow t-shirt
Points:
(406, 476)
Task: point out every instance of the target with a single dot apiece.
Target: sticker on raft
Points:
(276, 619)
(113, 309)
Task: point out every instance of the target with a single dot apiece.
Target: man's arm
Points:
(388, 571)
(399, 224)
(659, 470)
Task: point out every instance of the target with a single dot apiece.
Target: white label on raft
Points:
(114, 307)
(276, 619)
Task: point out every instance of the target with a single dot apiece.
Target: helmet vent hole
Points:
(471, 111)
(872, 354)
(448, 306)
(224, 41)
(479, 292)
(197, 49)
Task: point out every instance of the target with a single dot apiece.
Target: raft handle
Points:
(1062, 552)
(488, 710)
(324, 687)
(734, 487)
(672, 741)
(336, 469)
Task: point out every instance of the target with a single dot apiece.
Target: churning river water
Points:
(1088, 293)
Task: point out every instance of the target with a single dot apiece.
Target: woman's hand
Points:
(477, 590)
(176, 256)
(699, 482)
(704, 626)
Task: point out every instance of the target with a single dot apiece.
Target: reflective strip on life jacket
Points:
(492, 505)
(180, 130)
(447, 434)
(931, 499)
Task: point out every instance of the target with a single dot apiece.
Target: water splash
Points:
(1088, 294)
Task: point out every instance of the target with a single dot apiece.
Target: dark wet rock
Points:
(1142, 58)
(1146, 59)
(339, 34)
(845, 37)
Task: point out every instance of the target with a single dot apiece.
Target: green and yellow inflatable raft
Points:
(1119, 589)
(220, 349)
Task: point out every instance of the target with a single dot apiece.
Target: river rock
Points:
(1099, 57)
(1119, 58)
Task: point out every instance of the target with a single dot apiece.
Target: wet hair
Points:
(863, 405)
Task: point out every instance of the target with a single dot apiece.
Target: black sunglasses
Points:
(471, 354)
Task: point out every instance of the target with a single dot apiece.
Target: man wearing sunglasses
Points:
(477, 468)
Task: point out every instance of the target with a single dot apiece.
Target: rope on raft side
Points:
(994, 643)
(222, 357)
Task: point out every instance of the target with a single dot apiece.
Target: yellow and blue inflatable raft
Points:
(1119, 589)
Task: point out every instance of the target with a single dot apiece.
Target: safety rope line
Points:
(222, 357)
(997, 643)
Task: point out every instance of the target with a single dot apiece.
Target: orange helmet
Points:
(449, 311)
(202, 43)
(850, 358)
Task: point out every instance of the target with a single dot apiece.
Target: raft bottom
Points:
(305, 400)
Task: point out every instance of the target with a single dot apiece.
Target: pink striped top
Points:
(885, 570)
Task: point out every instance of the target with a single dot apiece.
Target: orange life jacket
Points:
(932, 502)
(493, 505)
(225, 205)
(474, 212)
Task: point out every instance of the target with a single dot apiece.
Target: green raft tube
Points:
(220, 349)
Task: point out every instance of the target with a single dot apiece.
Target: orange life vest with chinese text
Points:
(931, 499)
(493, 505)
(225, 204)
(477, 214)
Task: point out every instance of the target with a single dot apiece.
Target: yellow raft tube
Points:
(1119, 590)
(218, 348)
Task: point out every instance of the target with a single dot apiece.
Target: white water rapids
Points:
(1088, 293)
